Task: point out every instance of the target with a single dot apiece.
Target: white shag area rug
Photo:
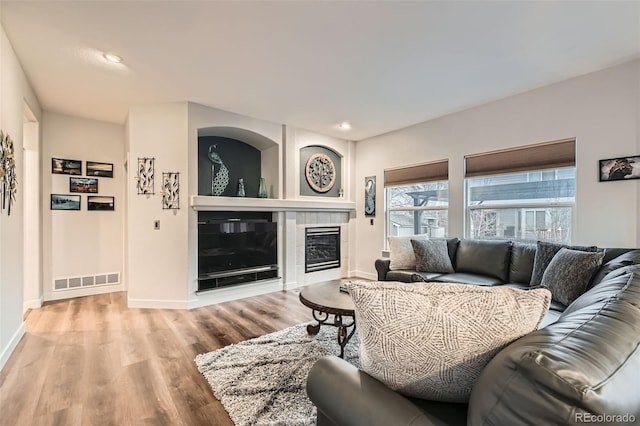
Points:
(262, 381)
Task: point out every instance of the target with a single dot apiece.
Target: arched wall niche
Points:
(241, 163)
(306, 187)
(254, 139)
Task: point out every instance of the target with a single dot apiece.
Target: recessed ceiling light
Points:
(113, 58)
(345, 125)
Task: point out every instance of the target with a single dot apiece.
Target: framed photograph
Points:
(66, 167)
(100, 203)
(621, 168)
(65, 202)
(83, 185)
(99, 169)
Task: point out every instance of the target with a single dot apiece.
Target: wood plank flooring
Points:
(93, 361)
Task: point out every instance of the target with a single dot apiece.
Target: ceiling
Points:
(380, 65)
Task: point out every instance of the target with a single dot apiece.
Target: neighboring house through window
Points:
(524, 194)
(417, 199)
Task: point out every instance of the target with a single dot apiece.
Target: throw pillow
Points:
(401, 252)
(432, 256)
(544, 254)
(432, 340)
(569, 274)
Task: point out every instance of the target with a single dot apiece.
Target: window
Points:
(420, 208)
(417, 199)
(504, 200)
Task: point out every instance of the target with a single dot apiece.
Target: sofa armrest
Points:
(346, 396)
(382, 266)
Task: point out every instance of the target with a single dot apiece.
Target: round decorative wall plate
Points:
(320, 172)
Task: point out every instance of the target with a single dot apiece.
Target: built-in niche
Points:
(320, 172)
(222, 162)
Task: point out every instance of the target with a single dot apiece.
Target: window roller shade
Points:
(550, 155)
(419, 173)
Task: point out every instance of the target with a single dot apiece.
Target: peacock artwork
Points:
(219, 177)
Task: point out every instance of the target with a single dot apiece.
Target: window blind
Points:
(426, 172)
(548, 155)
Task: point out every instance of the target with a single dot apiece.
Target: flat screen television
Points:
(236, 245)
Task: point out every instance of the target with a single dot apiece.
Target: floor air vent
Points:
(71, 283)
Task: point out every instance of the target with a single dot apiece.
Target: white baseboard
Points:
(32, 304)
(11, 346)
(234, 293)
(83, 291)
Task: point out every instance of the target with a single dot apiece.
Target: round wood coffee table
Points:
(326, 299)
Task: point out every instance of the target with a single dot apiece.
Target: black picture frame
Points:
(95, 168)
(63, 166)
(83, 185)
(619, 168)
(65, 202)
(100, 203)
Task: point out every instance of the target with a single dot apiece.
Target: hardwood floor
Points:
(93, 361)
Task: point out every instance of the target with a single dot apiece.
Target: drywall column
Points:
(157, 259)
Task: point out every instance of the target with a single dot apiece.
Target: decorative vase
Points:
(262, 189)
(240, 192)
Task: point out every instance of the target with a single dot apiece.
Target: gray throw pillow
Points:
(432, 256)
(544, 254)
(432, 340)
(401, 252)
(569, 273)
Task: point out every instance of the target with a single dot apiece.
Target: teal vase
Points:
(262, 189)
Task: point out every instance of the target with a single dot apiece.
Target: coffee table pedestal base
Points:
(344, 334)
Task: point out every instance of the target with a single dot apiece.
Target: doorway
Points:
(32, 220)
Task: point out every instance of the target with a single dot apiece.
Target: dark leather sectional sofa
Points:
(581, 366)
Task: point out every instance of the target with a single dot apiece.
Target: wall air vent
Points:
(70, 283)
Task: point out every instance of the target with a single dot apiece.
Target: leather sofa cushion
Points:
(629, 258)
(484, 257)
(464, 278)
(521, 266)
(585, 363)
(405, 275)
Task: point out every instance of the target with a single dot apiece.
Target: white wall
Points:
(14, 91)
(600, 110)
(82, 243)
(157, 260)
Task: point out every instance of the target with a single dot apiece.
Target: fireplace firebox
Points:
(322, 248)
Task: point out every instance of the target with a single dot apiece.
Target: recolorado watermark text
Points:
(604, 418)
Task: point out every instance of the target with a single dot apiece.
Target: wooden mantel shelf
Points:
(208, 203)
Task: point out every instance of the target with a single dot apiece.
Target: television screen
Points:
(236, 245)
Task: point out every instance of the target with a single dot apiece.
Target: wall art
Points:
(621, 168)
(83, 185)
(99, 169)
(66, 167)
(65, 202)
(100, 203)
(320, 172)
(370, 196)
(145, 176)
(8, 181)
(170, 190)
(219, 178)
